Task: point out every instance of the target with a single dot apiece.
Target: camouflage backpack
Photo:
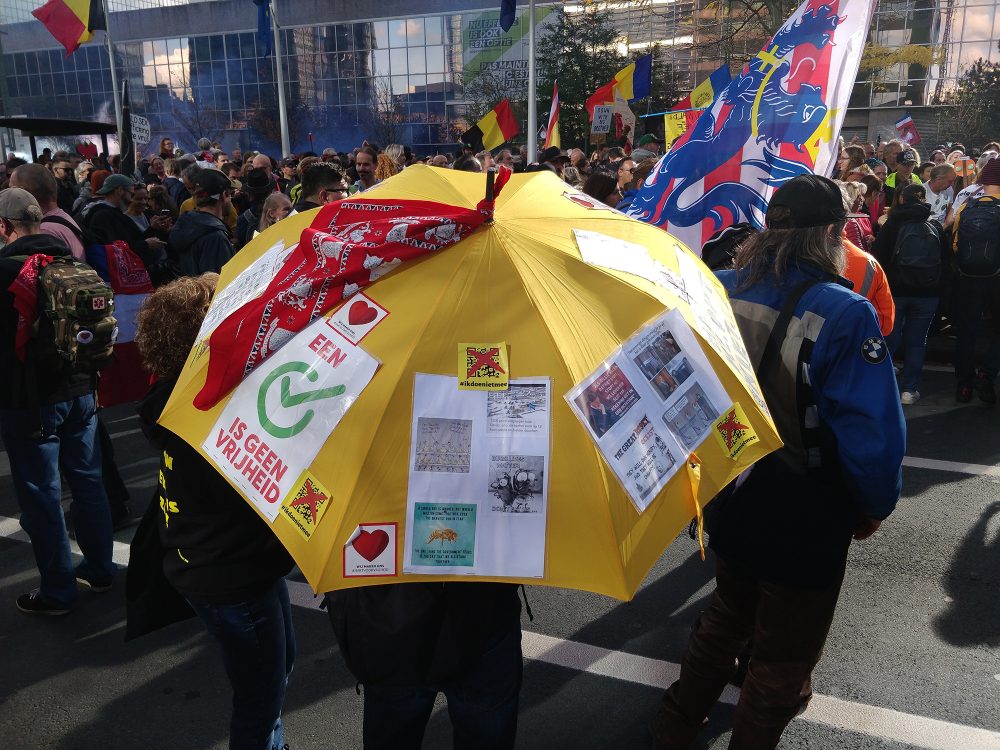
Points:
(76, 330)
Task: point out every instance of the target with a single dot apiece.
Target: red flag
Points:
(604, 95)
(350, 244)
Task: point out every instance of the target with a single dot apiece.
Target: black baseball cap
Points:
(813, 201)
(907, 157)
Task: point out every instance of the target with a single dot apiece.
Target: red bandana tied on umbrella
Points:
(349, 245)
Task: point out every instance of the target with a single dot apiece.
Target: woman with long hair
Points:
(385, 167)
(276, 207)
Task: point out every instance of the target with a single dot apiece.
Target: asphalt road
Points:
(911, 662)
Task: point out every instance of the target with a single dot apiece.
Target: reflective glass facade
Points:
(406, 79)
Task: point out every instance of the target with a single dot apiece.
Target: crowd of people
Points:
(914, 239)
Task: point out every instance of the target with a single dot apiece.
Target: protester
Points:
(638, 173)
(859, 226)
(213, 548)
(173, 183)
(649, 148)
(603, 186)
(555, 158)
(781, 536)
(571, 176)
(68, 187)
(157, 172)
(258, 184)
(906, 162)
(200, 242)
(322, 183)
(970, 192)
(408, 642)
(277, 206)
(190, 176)
(977, 252)
(467, 163)
(107, 222)
(166, 148)
(385, 167)
(364, 164)
(939, 190)
(912, 247)
(38, 181)
(623, 170)
(288, 177)
(48, 424)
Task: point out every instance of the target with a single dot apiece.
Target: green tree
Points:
(976, 100)
(583, 51)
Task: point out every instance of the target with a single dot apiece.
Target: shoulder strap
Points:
(77, 232)
(780, 328)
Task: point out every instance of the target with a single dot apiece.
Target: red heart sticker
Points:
(371, 544)
(361, 313)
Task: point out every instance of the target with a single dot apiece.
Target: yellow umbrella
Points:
(562, 503)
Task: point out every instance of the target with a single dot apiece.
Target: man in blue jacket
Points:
(782, 533)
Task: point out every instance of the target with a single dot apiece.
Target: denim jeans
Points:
(482, 705)
(914, 316)
(974, 296)
(67, 440)
(258, 650)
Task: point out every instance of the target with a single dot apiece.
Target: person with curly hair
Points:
(212, 547)
(385, 167)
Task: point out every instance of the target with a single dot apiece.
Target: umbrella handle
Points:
(491, 176)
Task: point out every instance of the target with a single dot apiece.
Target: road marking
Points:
(981, 470)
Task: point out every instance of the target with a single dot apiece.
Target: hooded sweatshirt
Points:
(217, 550)
(199, 243)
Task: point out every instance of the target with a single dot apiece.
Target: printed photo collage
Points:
(651, 404)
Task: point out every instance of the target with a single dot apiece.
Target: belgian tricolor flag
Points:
(72, 22)
(498, 127)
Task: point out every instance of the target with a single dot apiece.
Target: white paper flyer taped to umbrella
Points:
(248, 285)
(477, 499)
(650, 404)
(277, 419)
(716, 322)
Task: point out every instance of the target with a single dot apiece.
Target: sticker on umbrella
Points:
(650, 404)
(277, 419)
(370, 551)
(477, 497)
(357, 317)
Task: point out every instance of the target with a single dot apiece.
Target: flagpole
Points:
(286, 147)
(114, 73)
(532, 104)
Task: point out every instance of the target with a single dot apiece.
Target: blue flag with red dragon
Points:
(777, 119)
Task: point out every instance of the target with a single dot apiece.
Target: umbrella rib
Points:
(623, 579)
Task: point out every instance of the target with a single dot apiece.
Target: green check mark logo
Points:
(290, 400)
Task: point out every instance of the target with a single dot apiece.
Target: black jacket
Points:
(420, 633)
(176, 190)
(20, 385)
(885, 246)
(247, 223)
(216, 548)
(199, 243)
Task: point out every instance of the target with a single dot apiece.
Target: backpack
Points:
(916, 258)
(978, 251)
(75, 331)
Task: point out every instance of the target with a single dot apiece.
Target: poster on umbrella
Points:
(650, 404)
(277, 419)
(477, 497)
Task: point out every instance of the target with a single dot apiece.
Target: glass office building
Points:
(197, 67)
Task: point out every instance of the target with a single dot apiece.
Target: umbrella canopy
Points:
(520, 284)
